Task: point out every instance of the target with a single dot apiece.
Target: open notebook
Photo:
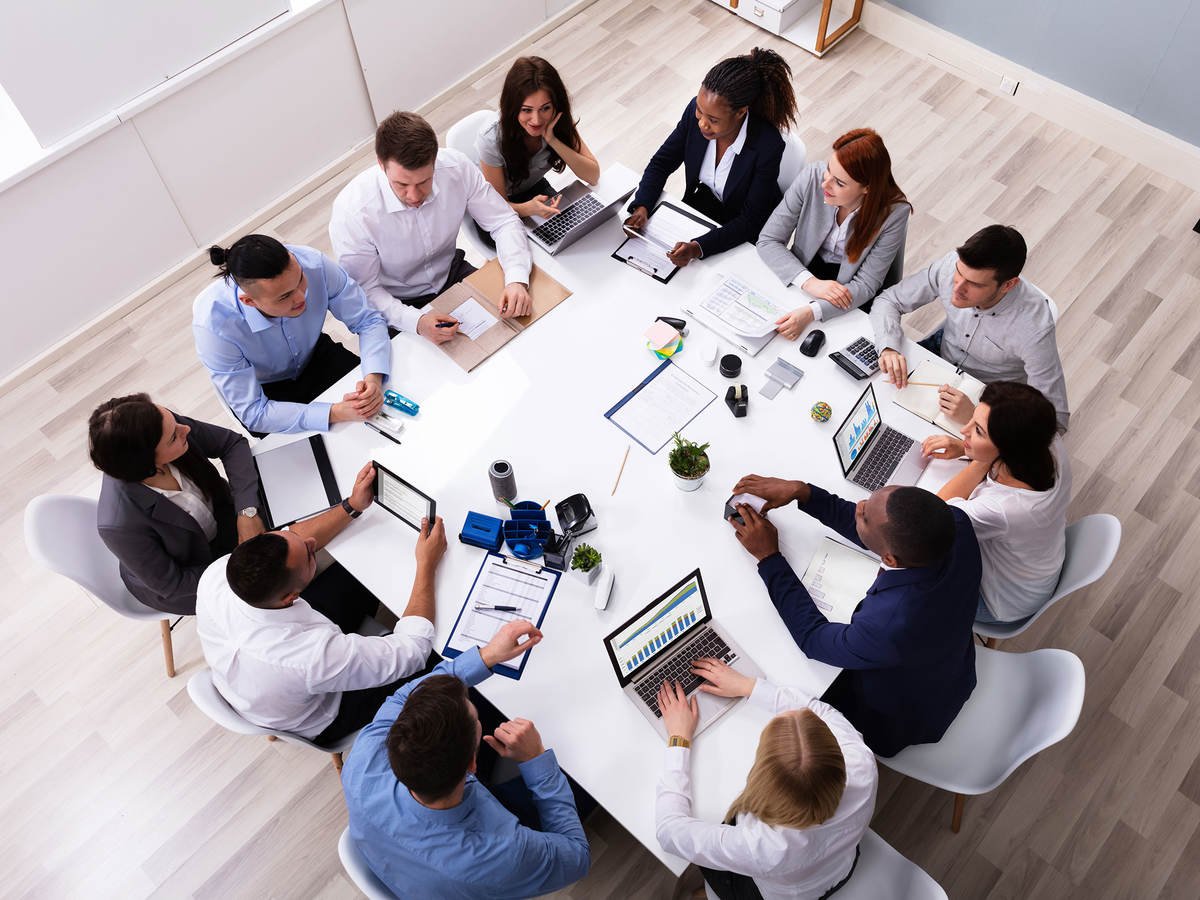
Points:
(922, 400)
(837, 579)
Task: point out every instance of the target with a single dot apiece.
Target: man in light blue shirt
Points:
(258, 332)
(423, 822)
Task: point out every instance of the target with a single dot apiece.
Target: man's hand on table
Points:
(893, 365)
(516, 739)
(776, 491)
(757, 535)
(507, 643)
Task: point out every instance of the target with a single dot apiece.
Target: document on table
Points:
(473, 319)
(742, 309)
(667, 400)
(837, 579)
(505, 590)
(667, 226)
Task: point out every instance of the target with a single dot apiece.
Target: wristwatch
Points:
(350, 510)
(249, 512)
(677, 741)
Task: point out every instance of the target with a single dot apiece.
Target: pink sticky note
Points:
(660, 334)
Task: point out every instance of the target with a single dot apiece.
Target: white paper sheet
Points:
(501, 583)
(743, 309)
(473, 319)
(662, 407)
(837, 579)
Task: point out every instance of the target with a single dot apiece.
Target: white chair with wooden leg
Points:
(883, 874)
(461, 137)
(1092, 544)
(360, 873)
(210, 702)
(1022, 704)
(61, 535)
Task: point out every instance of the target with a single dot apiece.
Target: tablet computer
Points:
(401, 499)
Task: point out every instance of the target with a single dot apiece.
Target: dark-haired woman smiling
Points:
(165, 512)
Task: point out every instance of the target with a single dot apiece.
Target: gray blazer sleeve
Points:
(784, 222)
(875, 262)
(233, 450)
(914, 291)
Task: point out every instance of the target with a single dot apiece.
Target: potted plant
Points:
(586, 561)
(689, 463)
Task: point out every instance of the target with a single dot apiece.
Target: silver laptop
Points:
(858, 358)
(873, 454)
(660, 643)
(580, 210)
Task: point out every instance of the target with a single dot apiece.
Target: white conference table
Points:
(539, 403)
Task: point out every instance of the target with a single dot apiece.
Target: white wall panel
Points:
(237, 139)
(79, 235)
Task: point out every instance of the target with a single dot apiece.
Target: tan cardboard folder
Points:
(486, 285)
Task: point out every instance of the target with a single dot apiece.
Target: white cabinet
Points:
(816, 26)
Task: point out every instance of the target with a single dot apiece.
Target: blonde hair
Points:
(798, 775)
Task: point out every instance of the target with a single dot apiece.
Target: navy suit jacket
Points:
(161, 548)
(908, 652)
(751, 192)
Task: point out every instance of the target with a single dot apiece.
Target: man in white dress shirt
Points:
(394, 228)
(294, 663)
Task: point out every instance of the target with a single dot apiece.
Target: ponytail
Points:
(250, 258)
(760, 80)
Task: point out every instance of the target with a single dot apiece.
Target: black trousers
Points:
(459, 269)
(329, 362)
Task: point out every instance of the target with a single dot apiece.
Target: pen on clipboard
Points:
(645, 237)
(379, 430)
(497, 608)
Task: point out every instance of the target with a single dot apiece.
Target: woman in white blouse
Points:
(1016, 489)
(165, 512)
(794, 830)
(847, 221)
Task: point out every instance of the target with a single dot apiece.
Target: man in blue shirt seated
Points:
(908, 653)
(423, 822)
(258, 332)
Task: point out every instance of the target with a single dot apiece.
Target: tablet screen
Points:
(401, 499)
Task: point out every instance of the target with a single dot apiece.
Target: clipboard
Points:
(644, 263)
(527, 584)
(295, 481)
(649, 426)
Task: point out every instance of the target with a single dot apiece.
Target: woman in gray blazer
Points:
(847, 220)
(165, 512)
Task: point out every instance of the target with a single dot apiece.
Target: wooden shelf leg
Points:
(271, 737)
(337, 763)
(168, 650)
(959, 802)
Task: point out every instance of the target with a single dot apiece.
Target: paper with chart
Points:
(837, 579)
(473, 319)
(922, 399)
(660, 406)
(742, 309)
(505, 590)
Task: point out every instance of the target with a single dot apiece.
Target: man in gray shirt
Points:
(998, 327)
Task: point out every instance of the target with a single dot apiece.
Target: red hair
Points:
(864, 157)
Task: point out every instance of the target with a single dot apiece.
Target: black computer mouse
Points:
(811, 344)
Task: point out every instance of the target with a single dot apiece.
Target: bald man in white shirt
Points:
(395, 225)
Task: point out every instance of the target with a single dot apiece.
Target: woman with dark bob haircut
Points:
(1016, 488)
(165, 512)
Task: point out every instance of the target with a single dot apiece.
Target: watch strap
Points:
(350, 510)
(677, 741)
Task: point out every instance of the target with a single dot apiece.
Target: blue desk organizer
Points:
(527, 530)
(482, 531)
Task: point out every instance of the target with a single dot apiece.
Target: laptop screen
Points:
(852, 438)
(656, 629)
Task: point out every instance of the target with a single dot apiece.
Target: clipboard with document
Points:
(666, 226)
(505, 590)
(295, 481)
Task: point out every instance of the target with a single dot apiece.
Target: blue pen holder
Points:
(527, 531)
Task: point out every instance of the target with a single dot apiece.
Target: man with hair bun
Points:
(908, 653)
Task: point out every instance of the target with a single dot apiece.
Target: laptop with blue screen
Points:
(659, 644)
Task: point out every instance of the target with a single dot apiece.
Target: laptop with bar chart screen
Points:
(660, 643)
(873, 454)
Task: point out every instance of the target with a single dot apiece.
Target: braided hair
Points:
(760, 80)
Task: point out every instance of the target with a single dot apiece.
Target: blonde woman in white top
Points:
(1016, 489)
(793, 832)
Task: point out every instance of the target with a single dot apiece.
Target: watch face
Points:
(250, 512)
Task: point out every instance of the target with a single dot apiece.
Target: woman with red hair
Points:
(849, 219)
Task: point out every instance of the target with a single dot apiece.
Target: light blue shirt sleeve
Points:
(557, 855)
(348, 303)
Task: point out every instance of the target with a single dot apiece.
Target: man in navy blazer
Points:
(751, 191)
(908, 654)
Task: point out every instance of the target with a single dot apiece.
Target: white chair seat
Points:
(461, 137)
(883, 874)
(360, 873)
(794, 156)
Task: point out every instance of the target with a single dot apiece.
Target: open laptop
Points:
(858, 358)
(660, 643)
(581, 209)
(873, 454)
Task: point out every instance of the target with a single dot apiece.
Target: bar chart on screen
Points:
(660, 625)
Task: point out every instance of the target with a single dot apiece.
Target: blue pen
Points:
(445, 324)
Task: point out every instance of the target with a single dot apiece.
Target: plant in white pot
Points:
(586, 562)
(689, 463)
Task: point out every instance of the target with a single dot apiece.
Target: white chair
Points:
(883, 874)
(461, 137)
(360, 873)
(210, 702)
(794, 155)
(1022, 704)
(1092, 543)
(61, 535)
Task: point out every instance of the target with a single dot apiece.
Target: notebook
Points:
(922, 400)
(837, 579)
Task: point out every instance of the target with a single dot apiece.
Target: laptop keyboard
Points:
(679, 667)
(555, 228)
(881, 462)
(864, 351)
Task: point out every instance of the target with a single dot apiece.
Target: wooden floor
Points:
(114, 785)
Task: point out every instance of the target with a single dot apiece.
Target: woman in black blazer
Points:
(165, 512)
(743, 104)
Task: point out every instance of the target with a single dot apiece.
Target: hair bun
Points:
(217, 255)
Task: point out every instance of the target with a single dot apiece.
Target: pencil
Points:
(925, 384)
(620, 470)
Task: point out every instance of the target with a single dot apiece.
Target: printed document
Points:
(473, 319)
(661, 406)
